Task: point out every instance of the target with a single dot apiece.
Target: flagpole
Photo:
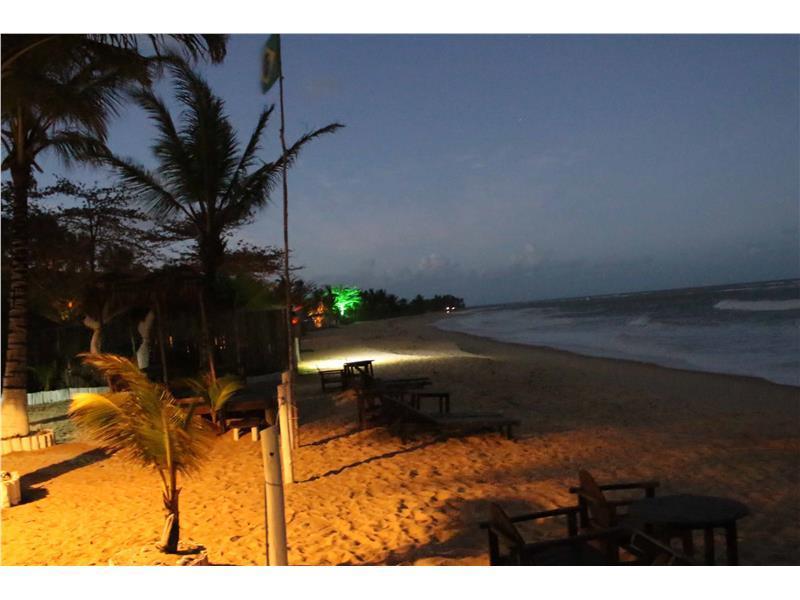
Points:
(289, 345)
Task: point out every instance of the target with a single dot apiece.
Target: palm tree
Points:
(59, 92)
(204, 183)
(206, 186)
(214, 392)
(142, 421)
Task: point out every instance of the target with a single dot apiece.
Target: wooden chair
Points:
(357, 373)
(597, 511)
(647, 550)
(331, 379)
(508, 547)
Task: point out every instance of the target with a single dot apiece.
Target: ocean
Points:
(743, 329)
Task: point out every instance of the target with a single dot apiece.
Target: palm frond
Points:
(224, 389)
(142, 422)
(141, 182)
(293, 151)
(207, 133)
(72, 146)
(214, 392)
(252, 191)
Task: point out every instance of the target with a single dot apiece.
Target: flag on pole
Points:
(271, 62)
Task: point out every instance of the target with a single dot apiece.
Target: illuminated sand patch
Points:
(379, 358)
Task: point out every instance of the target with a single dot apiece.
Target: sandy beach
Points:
(366, 497)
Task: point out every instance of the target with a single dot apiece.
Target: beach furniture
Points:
(331, 379)
(248, 411)
(400, 413)
(647, 550)
(441, 398)
(507, 546)
(599, 512)
(358, 371)
(680, 515)
(407, 383)
(371, 391)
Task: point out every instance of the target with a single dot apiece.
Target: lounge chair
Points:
(407, 383)
(371, 391)
(441, 398)
(399, 413)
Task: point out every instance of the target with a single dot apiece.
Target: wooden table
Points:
(248, 406)
(200, 407)
(357, 367)
(685, 513)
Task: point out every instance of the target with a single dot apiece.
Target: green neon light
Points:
(346, 299)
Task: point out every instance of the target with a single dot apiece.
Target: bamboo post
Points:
(286, 380)
(273, 486)
(286, 439)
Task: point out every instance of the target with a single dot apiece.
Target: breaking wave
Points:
(758, 305)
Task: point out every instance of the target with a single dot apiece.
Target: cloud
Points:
(321, 88)
(528, 257)
(433, 263)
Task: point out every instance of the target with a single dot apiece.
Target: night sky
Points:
(510, 168)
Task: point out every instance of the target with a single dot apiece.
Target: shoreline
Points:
(632, 361)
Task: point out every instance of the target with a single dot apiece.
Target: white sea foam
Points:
(736, 347)
(758, 305)
(640, 321)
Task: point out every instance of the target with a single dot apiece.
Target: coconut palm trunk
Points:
(15, 375)
(171, 533)
(172, 524)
